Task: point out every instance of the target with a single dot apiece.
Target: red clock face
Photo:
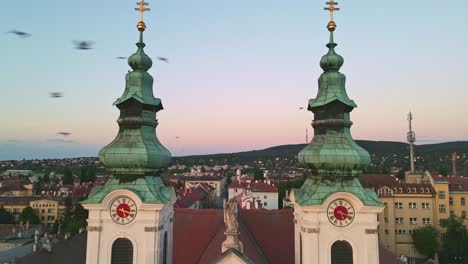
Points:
(123, 210)
(340, 213)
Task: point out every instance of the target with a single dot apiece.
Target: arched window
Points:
(165, 248)
(341, 253)
(122, 251)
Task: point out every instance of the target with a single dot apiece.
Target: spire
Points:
(411, 136)
(136, 151)
(333, 153)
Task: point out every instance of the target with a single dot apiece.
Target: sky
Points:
(238, 71)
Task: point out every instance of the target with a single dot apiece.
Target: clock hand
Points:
(124, 211)
(342, 214)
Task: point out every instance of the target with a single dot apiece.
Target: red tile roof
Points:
(378, 181)
(456, 184)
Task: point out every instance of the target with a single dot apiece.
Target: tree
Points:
(258, 174)
(46, 177)
(426, 240)
(67, 176)
(28, 215)
(83, 174)
(74, 217)
(454, 241)
(6, 217)
(443, 170)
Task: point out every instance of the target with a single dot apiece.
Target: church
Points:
(132, 219)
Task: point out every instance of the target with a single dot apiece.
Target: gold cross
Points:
(142, 8)
(331, 8)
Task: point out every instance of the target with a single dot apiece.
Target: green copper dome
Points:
(331, 61)
(333, 152)
(136, 151)
(139, 60)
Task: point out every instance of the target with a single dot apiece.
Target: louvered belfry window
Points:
(122, 251)
(341, 253)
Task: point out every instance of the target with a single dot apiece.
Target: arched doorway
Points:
(341, 253)
(122, 251)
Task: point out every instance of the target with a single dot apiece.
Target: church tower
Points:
(130, 217)
(335, 217)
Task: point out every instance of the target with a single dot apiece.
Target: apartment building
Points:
(408, 206)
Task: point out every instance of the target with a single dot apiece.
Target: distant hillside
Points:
(374, 147)
(385, 155)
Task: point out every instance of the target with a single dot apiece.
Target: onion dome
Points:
(331, 61)
(139, 60)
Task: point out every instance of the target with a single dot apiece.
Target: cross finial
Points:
(332, 8)
(142, 8)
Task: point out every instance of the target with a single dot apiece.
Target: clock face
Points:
(123, 210)
(340, 213)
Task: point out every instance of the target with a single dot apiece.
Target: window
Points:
(412, 205)
(43, 210)
(463, 215)
(413, 220)
(462, 201)
(265, 203)
(452, 213)
(425, 205)
(399, 205)
(441, 208)
(450, 201)
(441, 195)
(122, 251)
(386, 231)
(441, 221)
(399, 220)
(235, 190)
(411, 231)
(264, 197)
(50, 218)
(426, 221)
(50, 211)
(400, 231)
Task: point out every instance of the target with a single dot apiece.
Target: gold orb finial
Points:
(331, 26)
(141, 26)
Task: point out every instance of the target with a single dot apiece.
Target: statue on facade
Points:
(230, 215)
(232, 226)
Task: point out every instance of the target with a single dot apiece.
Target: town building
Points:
(49, 210)
(408, 206)
(261, 194)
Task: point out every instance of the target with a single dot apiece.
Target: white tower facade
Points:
(149, 231)
(321, 240)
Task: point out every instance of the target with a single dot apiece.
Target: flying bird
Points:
(300, 108)
(166, 60)
(55, 94)
(83, 45)
(177, 137)
(64, 133)
(121, 58)
(20, 34)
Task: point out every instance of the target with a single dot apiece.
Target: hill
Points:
(385, 154)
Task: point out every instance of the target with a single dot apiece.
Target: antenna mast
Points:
(411, 136)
